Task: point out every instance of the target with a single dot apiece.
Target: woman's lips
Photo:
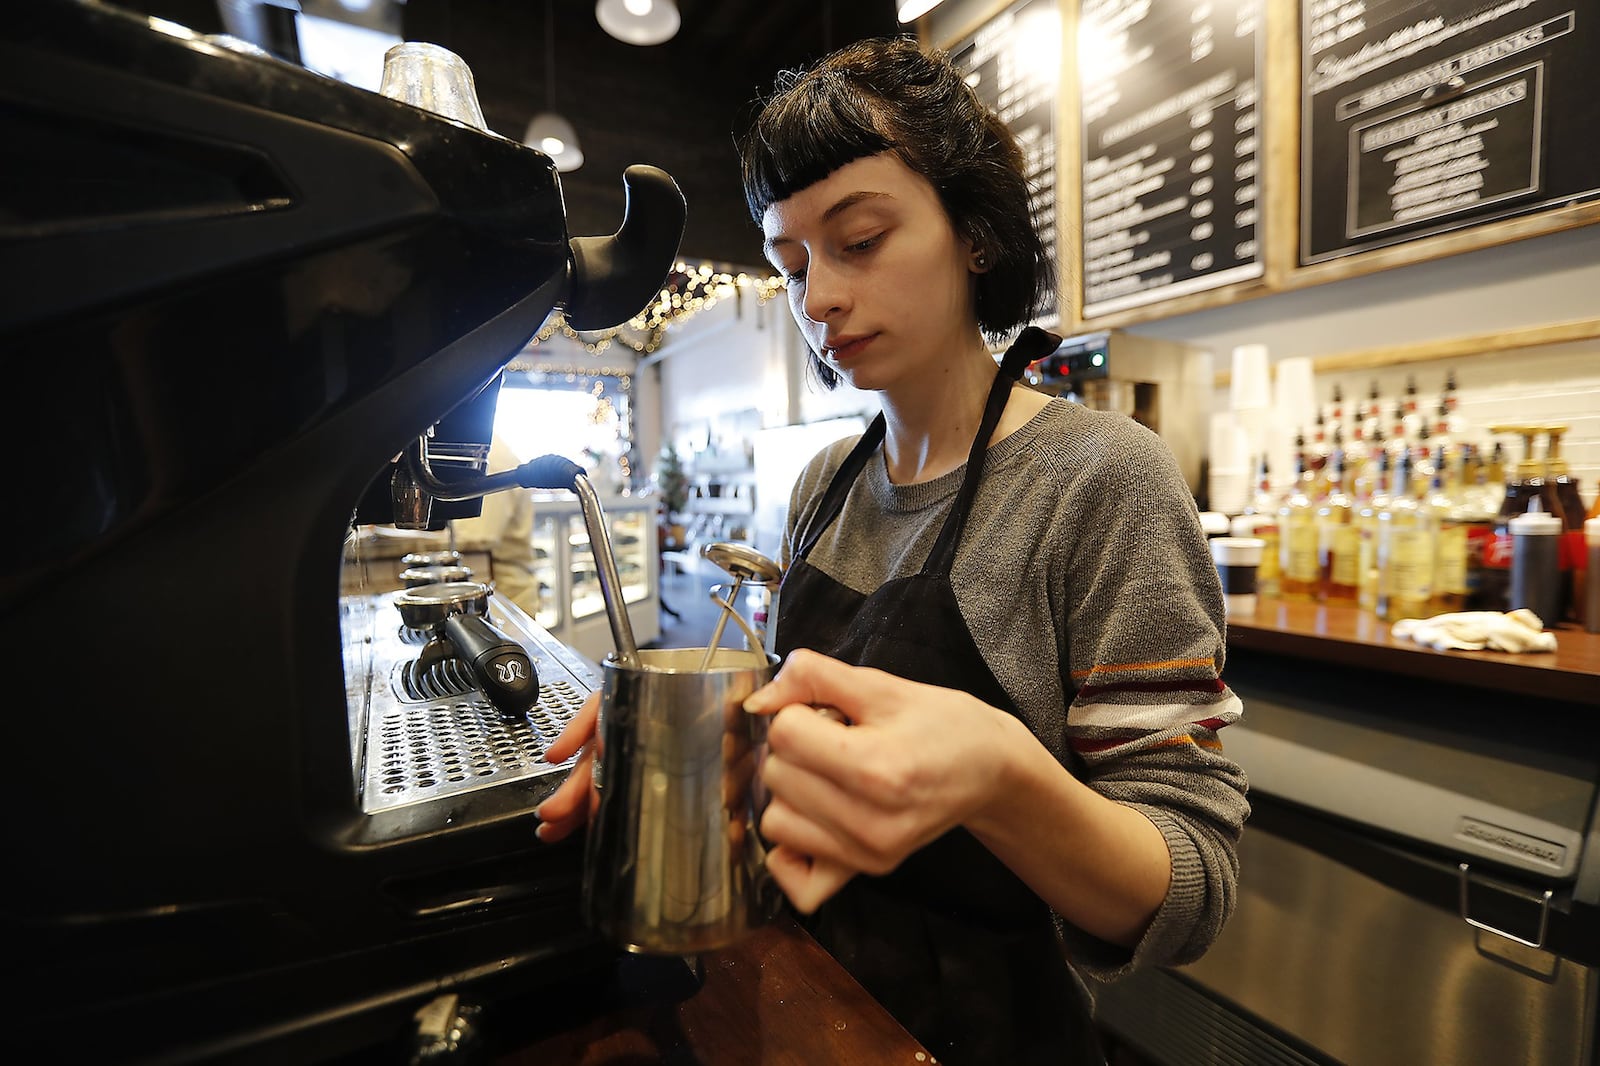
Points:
(850, 348)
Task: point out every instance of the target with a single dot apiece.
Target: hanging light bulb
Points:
(638, 21)
(555, 137)
(549, 132)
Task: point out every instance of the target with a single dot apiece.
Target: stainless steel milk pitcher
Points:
(673, 863)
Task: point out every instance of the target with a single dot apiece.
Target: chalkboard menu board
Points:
(1171, 181)
(1012, 63)
(1420, 119)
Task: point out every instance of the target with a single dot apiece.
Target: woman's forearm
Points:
(1102, 866)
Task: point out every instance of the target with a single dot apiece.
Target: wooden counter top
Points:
(1353, 637)
(774, 999)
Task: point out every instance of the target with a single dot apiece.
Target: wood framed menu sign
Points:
(1419, 119)
(1171, 182)
(1012, 61)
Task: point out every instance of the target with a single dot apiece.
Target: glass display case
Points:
(573, 609)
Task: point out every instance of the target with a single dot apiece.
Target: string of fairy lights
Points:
(687, 291)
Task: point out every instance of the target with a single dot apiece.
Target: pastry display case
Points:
(571, 605)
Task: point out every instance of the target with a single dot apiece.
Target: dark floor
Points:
(689, 594)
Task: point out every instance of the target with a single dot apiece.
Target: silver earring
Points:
(982, 262)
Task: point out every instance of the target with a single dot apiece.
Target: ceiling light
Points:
(549, 132)
(555, 137)
(911, 10)
(638, 21)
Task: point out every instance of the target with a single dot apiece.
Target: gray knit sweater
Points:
(1084, 577)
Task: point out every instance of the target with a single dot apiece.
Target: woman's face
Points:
(879, 282)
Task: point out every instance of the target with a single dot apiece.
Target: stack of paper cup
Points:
(1250, 396)
(1229, 474)
(1294, 411)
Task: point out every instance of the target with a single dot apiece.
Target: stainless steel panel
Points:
(1369, 975)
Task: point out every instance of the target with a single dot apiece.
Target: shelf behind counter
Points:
(1348, 636)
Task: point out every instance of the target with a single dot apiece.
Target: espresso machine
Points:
(249, 310)
(1163, 385)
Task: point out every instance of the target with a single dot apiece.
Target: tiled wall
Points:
(1551, 384)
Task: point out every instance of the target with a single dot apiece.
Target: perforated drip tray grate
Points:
(443, 747)
(432, 734)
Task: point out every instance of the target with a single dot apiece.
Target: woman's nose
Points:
(825, 293)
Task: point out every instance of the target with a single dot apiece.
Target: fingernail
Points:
(758, 701)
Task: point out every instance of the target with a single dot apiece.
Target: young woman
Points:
(1004, 600)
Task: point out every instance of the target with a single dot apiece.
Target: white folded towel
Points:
(1519, 630)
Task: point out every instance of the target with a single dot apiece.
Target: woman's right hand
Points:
(571, 806)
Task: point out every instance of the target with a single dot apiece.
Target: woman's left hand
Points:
(914, 762)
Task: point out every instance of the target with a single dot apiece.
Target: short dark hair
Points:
(887, 94)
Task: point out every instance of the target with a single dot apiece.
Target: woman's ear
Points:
(977, 261)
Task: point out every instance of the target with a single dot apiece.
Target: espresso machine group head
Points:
(252, 308)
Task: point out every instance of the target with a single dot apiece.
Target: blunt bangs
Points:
(815, 123)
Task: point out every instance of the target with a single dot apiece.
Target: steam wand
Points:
(545, 472)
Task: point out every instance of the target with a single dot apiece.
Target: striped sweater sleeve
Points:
(1145, 658)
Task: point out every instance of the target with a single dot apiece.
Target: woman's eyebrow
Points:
(839, 207)
(845, 203)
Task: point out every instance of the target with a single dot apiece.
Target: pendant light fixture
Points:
(638, 21)
(549, 131)
(911, 10)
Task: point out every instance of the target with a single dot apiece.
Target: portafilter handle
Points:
(500, 666)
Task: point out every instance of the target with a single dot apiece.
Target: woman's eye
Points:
(794, 275)
(865, 245)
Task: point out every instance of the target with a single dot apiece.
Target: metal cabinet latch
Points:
(1544, 913)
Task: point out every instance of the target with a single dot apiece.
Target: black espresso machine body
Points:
(235, 292)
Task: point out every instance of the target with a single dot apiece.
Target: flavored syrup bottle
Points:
(1336, 412)
(1300, 572)
(1405, 551)
(1449, 547)
(1357, 452)
(1413, 413)
(1457, 427)
(1338, 540)
(1368, 511)
(1260, 519)
(1399, 432)
(1443, 438)
(1477, 503)
(1374, 411)
(1319, 446)
(1497, 467)
(1423, 463)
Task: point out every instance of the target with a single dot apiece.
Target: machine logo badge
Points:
(1531, 848)
(510, 670)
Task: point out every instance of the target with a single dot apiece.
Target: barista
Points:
(504, 529)
(1007, 597)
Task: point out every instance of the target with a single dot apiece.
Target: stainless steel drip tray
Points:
(432, 735)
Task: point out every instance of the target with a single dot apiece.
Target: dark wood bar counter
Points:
(774, 999)
(1352, 637)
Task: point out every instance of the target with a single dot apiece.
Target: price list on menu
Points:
(1012, 64)
(1422, 119)
(1171, 179)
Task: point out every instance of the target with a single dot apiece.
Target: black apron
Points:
(952, 943)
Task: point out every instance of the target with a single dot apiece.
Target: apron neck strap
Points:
(1031, 345)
